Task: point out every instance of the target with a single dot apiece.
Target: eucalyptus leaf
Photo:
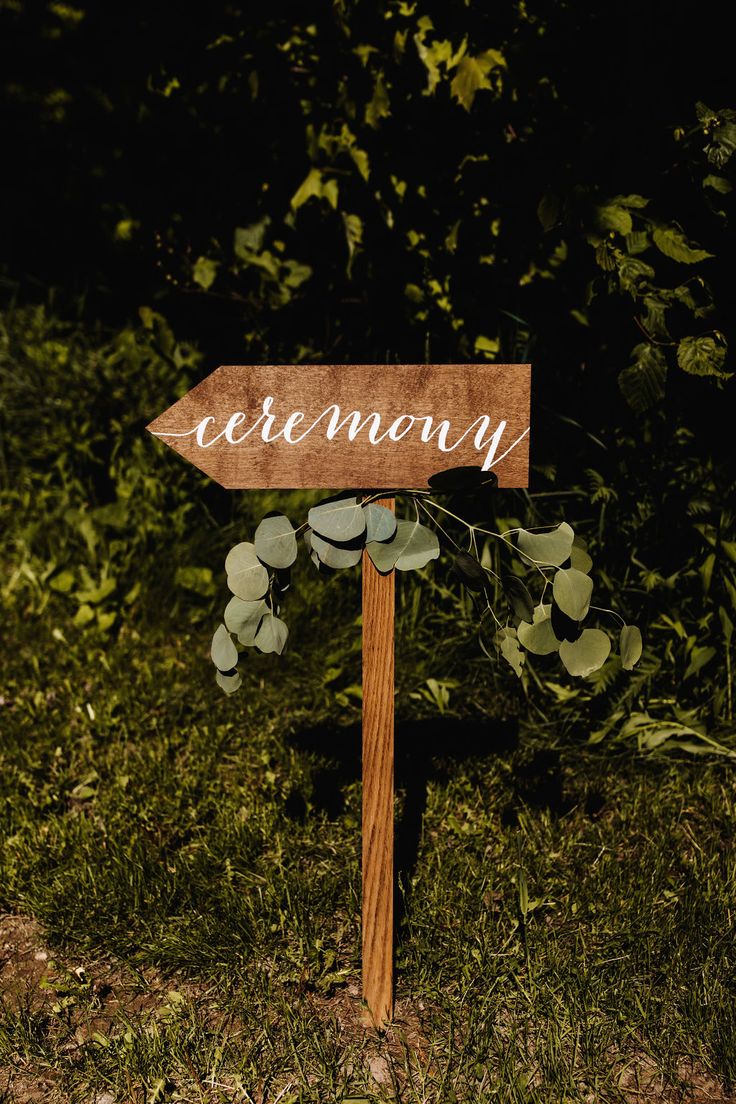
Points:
(470, 571)
(539, 637)
(230, 681)
(572, 591)
(272, 634)
(223, 651)
(338, 519)
(508, 645)
(579, 558)
(547, 548)
(412, 546)
(246, 575)
(275, 541)
(519, 597)
(333, 555)
(630, 646)
(380, 522)
(586, 654)
(383, 554)
(417, 545)
(239, 614)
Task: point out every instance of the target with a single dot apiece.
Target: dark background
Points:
(153, 158)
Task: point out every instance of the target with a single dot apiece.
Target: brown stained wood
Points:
(457, 393)
(378, 790)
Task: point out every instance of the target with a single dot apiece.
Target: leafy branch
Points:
(340, 530)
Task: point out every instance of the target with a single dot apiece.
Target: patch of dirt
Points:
(52, 1007)
(640, 1079)
(56, 1006)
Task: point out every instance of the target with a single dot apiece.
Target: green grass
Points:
(566, 913)
(189, 863)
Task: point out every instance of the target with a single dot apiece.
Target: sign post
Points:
(360, 427)
(378, 789)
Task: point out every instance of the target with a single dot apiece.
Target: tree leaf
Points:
(204, 272)
(539, 637)
(467, 477)
(586, 654)
(353, 237)
(334, 555)
(272, 634)
(547, 548)
(275, 541)
(519, 597)
(702, 356)
(642, 384)
(630, 646)
(470, 571)
(230, 681)
(380, 522)
(572, 591)
(673, 243)
(338, 519)
(611, 216)
(314, 186)
(223, 651)
(472, 76)
(718, 183)
(246, 575)
(379, 106)
(508, 645)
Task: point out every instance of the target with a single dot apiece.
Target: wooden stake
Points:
(378, 790)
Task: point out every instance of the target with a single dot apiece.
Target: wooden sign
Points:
(353, 426)
(359, 426)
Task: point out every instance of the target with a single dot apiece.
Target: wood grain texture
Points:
(458, 393)
(378, 790)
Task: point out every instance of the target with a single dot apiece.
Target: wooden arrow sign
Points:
(356, 426)
(361, 426)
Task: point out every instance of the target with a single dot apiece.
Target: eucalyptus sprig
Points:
(340, 530)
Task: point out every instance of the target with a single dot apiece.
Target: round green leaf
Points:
(332, 555)
(246, 575)
(572, 591)
(630, 647)
(508, 645)
(275, 541)
(229, 681)
(417, 545)
(547, 548)
(239, 614)
(223, 651)
(539, 638)
(470, 572)
(586, 654)
(412, 546)
(519, 597)
(339, 519)
(380, 522)
(272, 634)
(579, 558)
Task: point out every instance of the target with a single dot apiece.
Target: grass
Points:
(567, 917)
(179, 871)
